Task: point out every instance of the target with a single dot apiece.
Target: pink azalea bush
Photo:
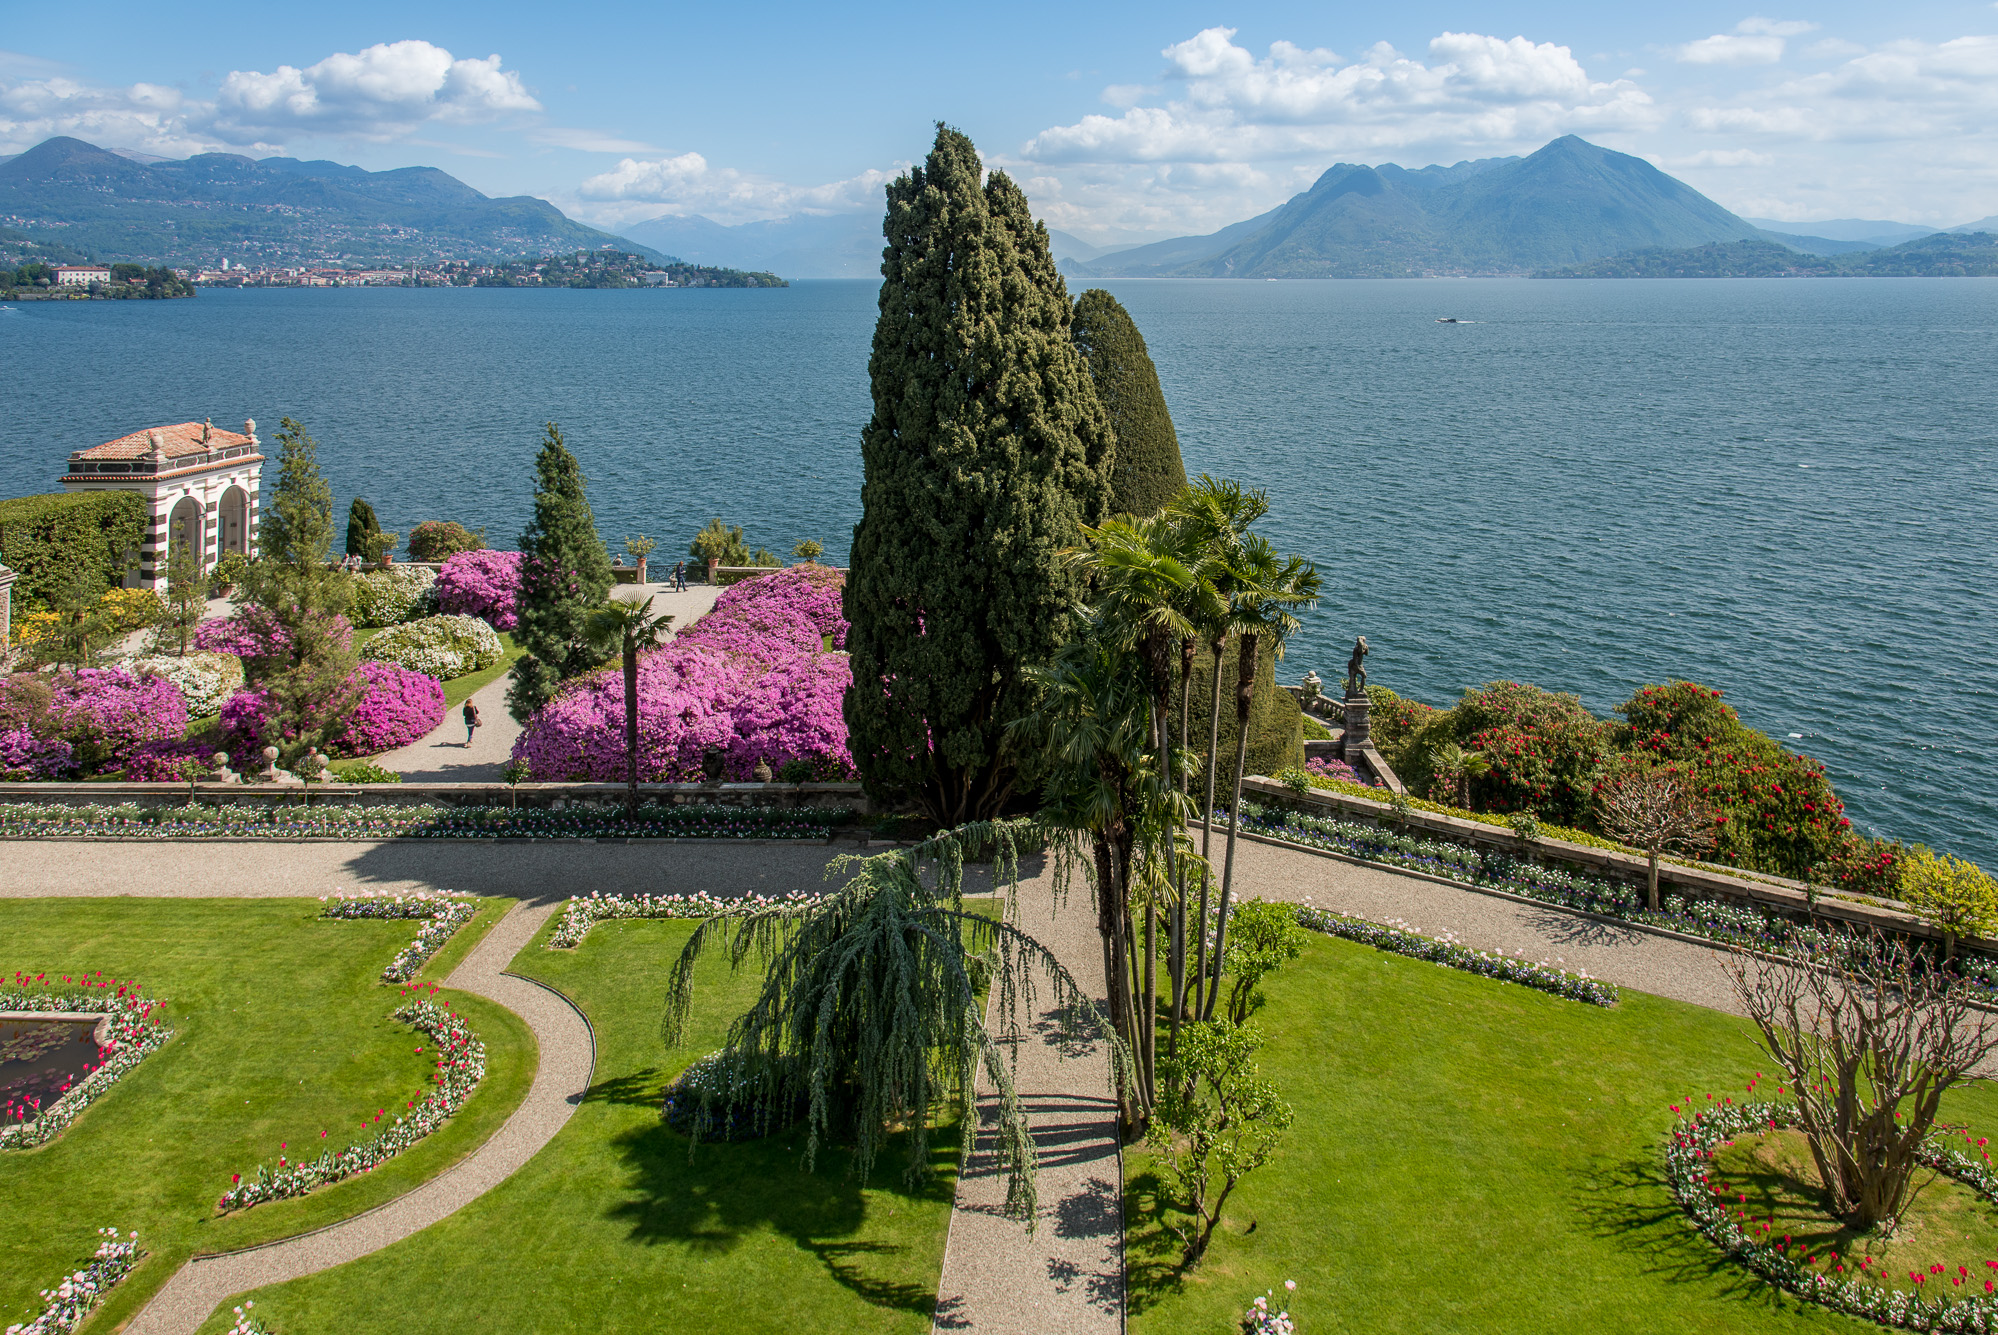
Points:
(175, 761)
(106, 714)
(26, 758)
(399, 707)
(258, 638)
(481, 584)
(751, 679)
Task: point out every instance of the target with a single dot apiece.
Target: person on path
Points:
(471, 721)
(680, 576)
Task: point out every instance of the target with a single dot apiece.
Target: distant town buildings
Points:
(199, 480)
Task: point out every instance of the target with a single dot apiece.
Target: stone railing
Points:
(1778, 894)
(552, 795)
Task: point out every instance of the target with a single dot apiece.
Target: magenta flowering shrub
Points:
(751, 679)
(812, 591)
(1326, 767)
(26, 758)
(252, 634)
(481, 584)
(400, 707)
(106, 714)
(176, 761)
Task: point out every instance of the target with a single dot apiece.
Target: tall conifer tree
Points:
(361, 522)
(986, 454)
(1148, 470)
(566, 573)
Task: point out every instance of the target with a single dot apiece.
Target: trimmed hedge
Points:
(1276, 724)
(42, 536)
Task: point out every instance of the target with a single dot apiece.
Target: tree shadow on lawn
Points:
(640, 1089)
(1631, 1205)
(1151, 1251)
(713, 1199)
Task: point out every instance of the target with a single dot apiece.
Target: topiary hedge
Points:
(43, 537)
(443, 647)
(1276, 724)
(389, 597)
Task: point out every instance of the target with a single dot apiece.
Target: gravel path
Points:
(1067, 1276)
(567, 1053)
(1644, 961)
(445, 757)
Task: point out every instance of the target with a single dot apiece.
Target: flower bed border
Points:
(1398, 940)
(133, 1030)
(583, 912)
(1698, 1137)
(77, 1294)
(391, 820)
(459, 1077)
(441, 912)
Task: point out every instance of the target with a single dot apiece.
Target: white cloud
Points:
(1931, 92)
(1754, 41)
(686, 183)
(383, 92)
(588, 141)
(1234, 106)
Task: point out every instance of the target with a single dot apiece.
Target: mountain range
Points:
(273, 212)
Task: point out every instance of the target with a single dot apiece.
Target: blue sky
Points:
(1122, 122)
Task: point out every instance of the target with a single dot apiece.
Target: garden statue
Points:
(1314, 687)
(1356, 670)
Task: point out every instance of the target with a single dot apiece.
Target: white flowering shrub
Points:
(76, 1294)
(392, 596)
(203, 679)
(440, 647)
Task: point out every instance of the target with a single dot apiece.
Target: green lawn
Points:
(1469, 1156)
(281, 1031)
(614, 1227)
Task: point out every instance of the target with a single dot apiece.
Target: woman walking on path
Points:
(679, 576)
(471, 721)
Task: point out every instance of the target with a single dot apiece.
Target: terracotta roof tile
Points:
(182, 439)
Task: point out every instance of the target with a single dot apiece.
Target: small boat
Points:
(1448, 319)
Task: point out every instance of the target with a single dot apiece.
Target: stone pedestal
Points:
(1359, 735)
(6, 611)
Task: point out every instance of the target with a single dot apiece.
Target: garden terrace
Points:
(842, 797)
(615, 1226)
(1610, 866)
(1473, 1157)
(283, 1035)
(333, 819)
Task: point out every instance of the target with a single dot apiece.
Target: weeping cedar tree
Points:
(871, 1014)
(361, 525)
(311, 682)
(566, 575)
(1148, 471)
(986, 455)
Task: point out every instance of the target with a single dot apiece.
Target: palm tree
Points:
(626, 627)
(1216, 515)
(1267, 588)
(1090, 732)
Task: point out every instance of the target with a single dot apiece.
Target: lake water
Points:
(1784, 489)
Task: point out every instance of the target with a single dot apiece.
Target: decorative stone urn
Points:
(762, 771)
(713, 761)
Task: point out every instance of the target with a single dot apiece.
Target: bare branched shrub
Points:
(1870, 1035)
(1655, 810)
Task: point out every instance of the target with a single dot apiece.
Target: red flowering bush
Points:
(399, 707)
(750, 680)
(481, 584)
(1777, 811)
(1543, 750)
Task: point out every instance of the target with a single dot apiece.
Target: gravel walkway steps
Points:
(567, 1055)
(1067, 1276)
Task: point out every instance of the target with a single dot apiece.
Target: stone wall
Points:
(552, 795)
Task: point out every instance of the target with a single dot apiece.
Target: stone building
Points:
(200, 481)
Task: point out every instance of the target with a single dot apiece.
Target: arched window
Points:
(184, 530)
(232, 526)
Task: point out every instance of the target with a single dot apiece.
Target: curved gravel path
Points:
(567, 1055)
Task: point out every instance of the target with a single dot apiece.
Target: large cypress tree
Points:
(566, 573)
(361, 522)
(1148, 471)
(986, 454)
